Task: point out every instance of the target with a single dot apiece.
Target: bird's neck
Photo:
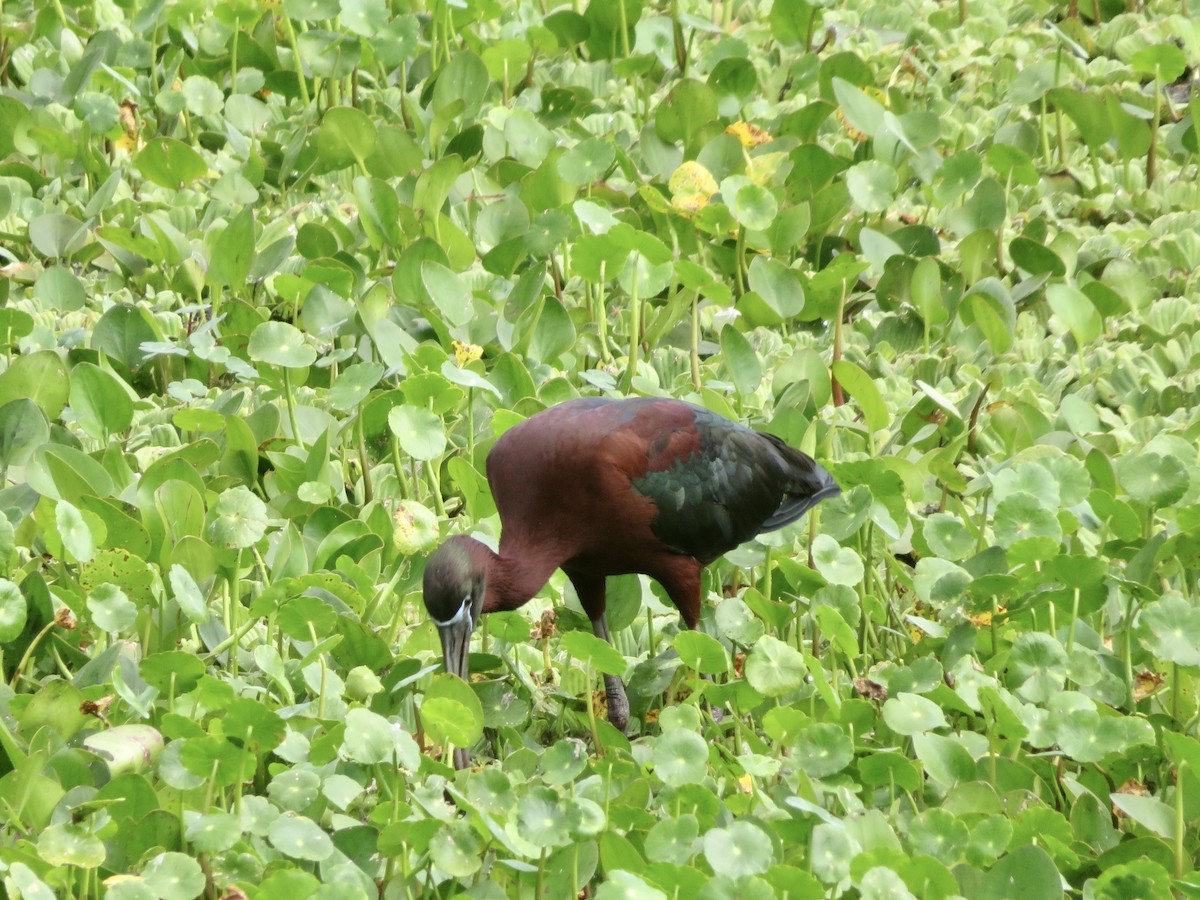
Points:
(514, 576)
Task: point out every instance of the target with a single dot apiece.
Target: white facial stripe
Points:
(464, 611)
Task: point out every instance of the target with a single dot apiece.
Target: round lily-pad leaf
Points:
(13, 611)
(948, 537)
(1023, 516)
(111, 610)
(300, 838)
(214, 833)
(174, 876)
(774, 668)
(912, 714)
(172, 670)
(238, 519)
(702, 652)
(280, 344)
(563, 762)
(420, 431)
(586, 162)
(737, 851)
(1170, 629)
(372, 739)
(823, 749)
(1153, 479)
(680, 757)
(455, 850)
(837, 564)
(738, 623)
(451, 711)
(70, 844)
(544, 819)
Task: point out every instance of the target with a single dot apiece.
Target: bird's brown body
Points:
(602, 487)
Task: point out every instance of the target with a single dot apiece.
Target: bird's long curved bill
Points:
(456, 641)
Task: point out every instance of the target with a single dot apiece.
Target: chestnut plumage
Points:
(601, 487)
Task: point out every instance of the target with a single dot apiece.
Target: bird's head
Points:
(453, 591)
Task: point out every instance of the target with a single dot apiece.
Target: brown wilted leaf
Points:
(1145, 684)
(750, 135)
(64, 618)
(97, 708)
(545, 628)
(1131, 786)
(872, 690)
(739, 664)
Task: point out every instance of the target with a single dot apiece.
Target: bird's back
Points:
(618, 480)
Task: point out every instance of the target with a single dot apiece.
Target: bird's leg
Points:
(614, 690)
(590, 589)
(681, 580)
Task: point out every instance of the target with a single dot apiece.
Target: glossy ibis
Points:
(602, 487)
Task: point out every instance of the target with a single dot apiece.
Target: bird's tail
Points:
(807, 484)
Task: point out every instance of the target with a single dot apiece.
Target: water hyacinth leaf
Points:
(347, 135)
(238, 519)
(743, 363)
(778, 286)
(126, 748)
(774, 668)
(419, 431)
(188, 594)
(680, 757)
(280, 344)
(595, 651)
(910, 714)
(13, 611)
(702, 652)
(448, 293)
(864, 390)
(99, 400)
(1076, 310)
(74, 532)
(170, 163)
(233, 251)
(39, 378)
(23, 428)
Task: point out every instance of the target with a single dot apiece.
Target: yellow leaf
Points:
(465, 353)
(691, 186)
(749, 135)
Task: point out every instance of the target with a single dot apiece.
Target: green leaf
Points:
(233, 252)
(586, 162)
(741, 360)
(1028, 872)
(738, 851)
(1166, 62)
(346, 136)
(280, 344)
(452, 711)
(680, 757)
(1076, 311)
(837, 564)
(448, 293)
(40, 378)
(1153, 479)
(702, 652)
(1170, 629)
(57, 235)
(595, 651)
(862, 388)
(13, 611)
(910, 714)
(170, 163)
(419, 431)
(774, 668)
(238, 519)
(23, 428)
(300, 838)
(872, 185)
(99, 400)
(70, 844)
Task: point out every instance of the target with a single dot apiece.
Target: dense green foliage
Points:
(275, 276)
